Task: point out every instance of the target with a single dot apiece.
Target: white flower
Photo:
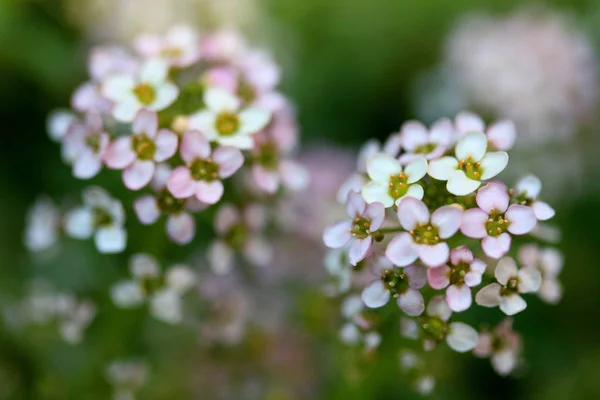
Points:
(390, 183)
(59, 123)
(149, 89)
(502, 346)
(549, 262)
(471, 165)
(223, 121)
(179, 47)
(501, 135)
(42, 226)
(527, 191)
(418, 141)
(511, 283)
(100, 216)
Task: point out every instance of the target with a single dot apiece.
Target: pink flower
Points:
(425, 233)
(501, 135)
(527, 192)
(137, 154)
(401, 283)
(358, 231)
(417, 141)
(84, 145)
(204, 169)
(494, 219)
(502, 346)
(511, 283)
(549, 262)
(463, 273)
(180, 226)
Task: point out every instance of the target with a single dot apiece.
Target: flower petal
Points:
(412, 212)
(434, 255)
(166, 94)
(462, 337)
(209, 192)
(110, 240)
(218, 99)
(253, 120)
(415, 191)
(87, 165)
(401, 250)
(473, 223)
(496, 246)
(468, 122)
(355, 205)
(493, 197)
(375, 212)
(438, 307)
(542, 211)
(138, 174)
(512, 304)
(154, 71)
(493, 163)
(181, 228)
(375, 191)
(375, 295)
(489, 296)
(530, 280)
(359, 249)
(521, 219)
(120, 154)
(411, 302)
(473, 145)
(338, 234)
(258, 252)
(180, 183)
(530, 186)
(194, 145)
(166, 145)
(447, 219)
(443, 168)
(459, 184)
(461, 254)
(550, 291)
(438, 277)
(416, 170)
(414, 134)
(417, 276)
(127, 294)
(459, 297)
(505, 270)
(229, 160)
(381, 166)
(146, 209)
(220, 257)
(502, 135)
(165, 306)
(145, 122)
(265, 180)
(293, 175)
(79, 223)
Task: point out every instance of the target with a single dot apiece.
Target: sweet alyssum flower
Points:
(463, 273)
(527, 191)
(390, 183)
(225, 123)
(425, 234)
(471, 165)
(434, 327)
(148, 88)
(511, 283)
(100, 216)
(138, 154)
(501, 135)
(495, 219)
(357, 231)
(204, 169)
(42, 226)
(549, 262)
(502, 346)
(84, 145)
(418, 141)
(180, 46)
(162, 292)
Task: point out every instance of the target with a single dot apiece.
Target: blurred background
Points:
(355, 69)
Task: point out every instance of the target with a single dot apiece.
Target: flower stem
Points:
(390, 230)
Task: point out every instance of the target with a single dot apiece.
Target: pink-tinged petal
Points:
(293, 175)
(229, 160)
(120, 154)
(461, 337)
(493, 196)
(443, 168)
(401, 250)
(354, 182)
(542, 211)
(338, 234)
(266, 180)
(505, 270)
(145, 122)
(529, 255)
(493, 163)
(460, 185)
(146, 209)
(530, 186)
(502, 135)
(411, 302)
(496, 246)
(375, 212)
(461, 254)
(416, 170)
(473, 145)
(412, 212)
(166, 145)
(417, 276)
(438, 307)
(87, 165)
(375, 295)
(473, 278)
(138, 174)
(355, 205)
(209, 192)
(469, 122)
(442, 132)
(505, 361)
(434, 256)
(161, 175)
(366, 151)
(381, 166)
(393, 144)
(551, 262)
(181, 228)
(521, 219)
(414, 134)
(550, 291)
(512, 304)
(473, 223)
(180, 183)
(220, 257)
(194, 145)
(258, 251)
(478, 266)
(359, 249)
(530, 280)
(489, 296)
(484, 345)
(226, 218)
(447, 219)
(407, 158)
(459, 297)
(438, 277)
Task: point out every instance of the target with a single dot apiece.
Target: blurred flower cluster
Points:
(433, 231)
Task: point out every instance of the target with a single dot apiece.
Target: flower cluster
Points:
(438, 235)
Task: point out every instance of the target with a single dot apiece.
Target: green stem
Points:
(390, 230)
